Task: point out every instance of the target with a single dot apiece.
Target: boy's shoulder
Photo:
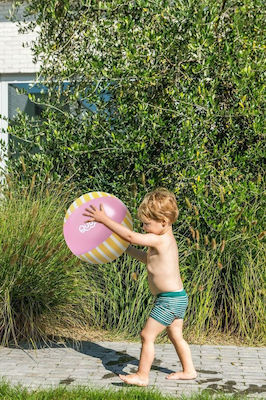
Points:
(167, 238)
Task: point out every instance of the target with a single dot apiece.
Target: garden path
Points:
(231, 369)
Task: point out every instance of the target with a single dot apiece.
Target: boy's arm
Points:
(136, 253)
(99, 215)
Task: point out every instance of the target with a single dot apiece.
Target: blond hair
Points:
(160, 204)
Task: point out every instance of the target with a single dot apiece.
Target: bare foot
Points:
(134, 379)
(182, 375)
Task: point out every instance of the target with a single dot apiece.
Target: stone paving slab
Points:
(230, 369)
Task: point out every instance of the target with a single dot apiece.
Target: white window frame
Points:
(5, 80)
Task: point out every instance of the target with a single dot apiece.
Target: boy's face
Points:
(152, 226)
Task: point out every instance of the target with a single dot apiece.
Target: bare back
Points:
(163, 266)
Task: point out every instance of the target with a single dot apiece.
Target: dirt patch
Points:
(92, 334)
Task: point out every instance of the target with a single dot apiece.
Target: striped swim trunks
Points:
(169, 305)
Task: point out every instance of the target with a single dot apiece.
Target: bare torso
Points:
(163, 266)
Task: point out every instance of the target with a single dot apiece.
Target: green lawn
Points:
(8, 392)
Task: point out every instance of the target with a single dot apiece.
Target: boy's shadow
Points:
(113, 361)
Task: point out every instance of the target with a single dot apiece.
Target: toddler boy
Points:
(157, 212)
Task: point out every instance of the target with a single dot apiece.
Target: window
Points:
(10, 101)
(18, 99)
(14, 91)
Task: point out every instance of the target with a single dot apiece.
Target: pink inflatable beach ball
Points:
(93, 242)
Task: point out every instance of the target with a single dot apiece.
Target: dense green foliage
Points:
(184, 110)
(186, 93)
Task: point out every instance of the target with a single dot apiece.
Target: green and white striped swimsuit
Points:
(169, 306)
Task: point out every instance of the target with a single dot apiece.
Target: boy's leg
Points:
(148, 336)
(174, 332)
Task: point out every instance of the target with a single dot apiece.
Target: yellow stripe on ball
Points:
(121, 242)
(114, 246)
(99, 256)
(127, 222)
(93, 258)
(79, 202)
(106, 251)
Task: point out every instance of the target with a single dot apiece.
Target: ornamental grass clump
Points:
(120, 299)
(221, 259)
(41, 282)
(224, 263)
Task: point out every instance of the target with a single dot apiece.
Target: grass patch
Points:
(8, 392)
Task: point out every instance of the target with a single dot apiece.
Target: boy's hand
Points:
(95, 214)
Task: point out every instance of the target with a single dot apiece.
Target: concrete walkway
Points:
(231, 369)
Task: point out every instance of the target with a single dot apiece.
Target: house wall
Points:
(16, 65)
(14, 58)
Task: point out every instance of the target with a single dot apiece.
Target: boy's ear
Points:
(164, 222)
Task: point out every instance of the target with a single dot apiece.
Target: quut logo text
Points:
(87, 227)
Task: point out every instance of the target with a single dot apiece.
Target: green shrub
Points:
(185, 85)
(40, 280)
